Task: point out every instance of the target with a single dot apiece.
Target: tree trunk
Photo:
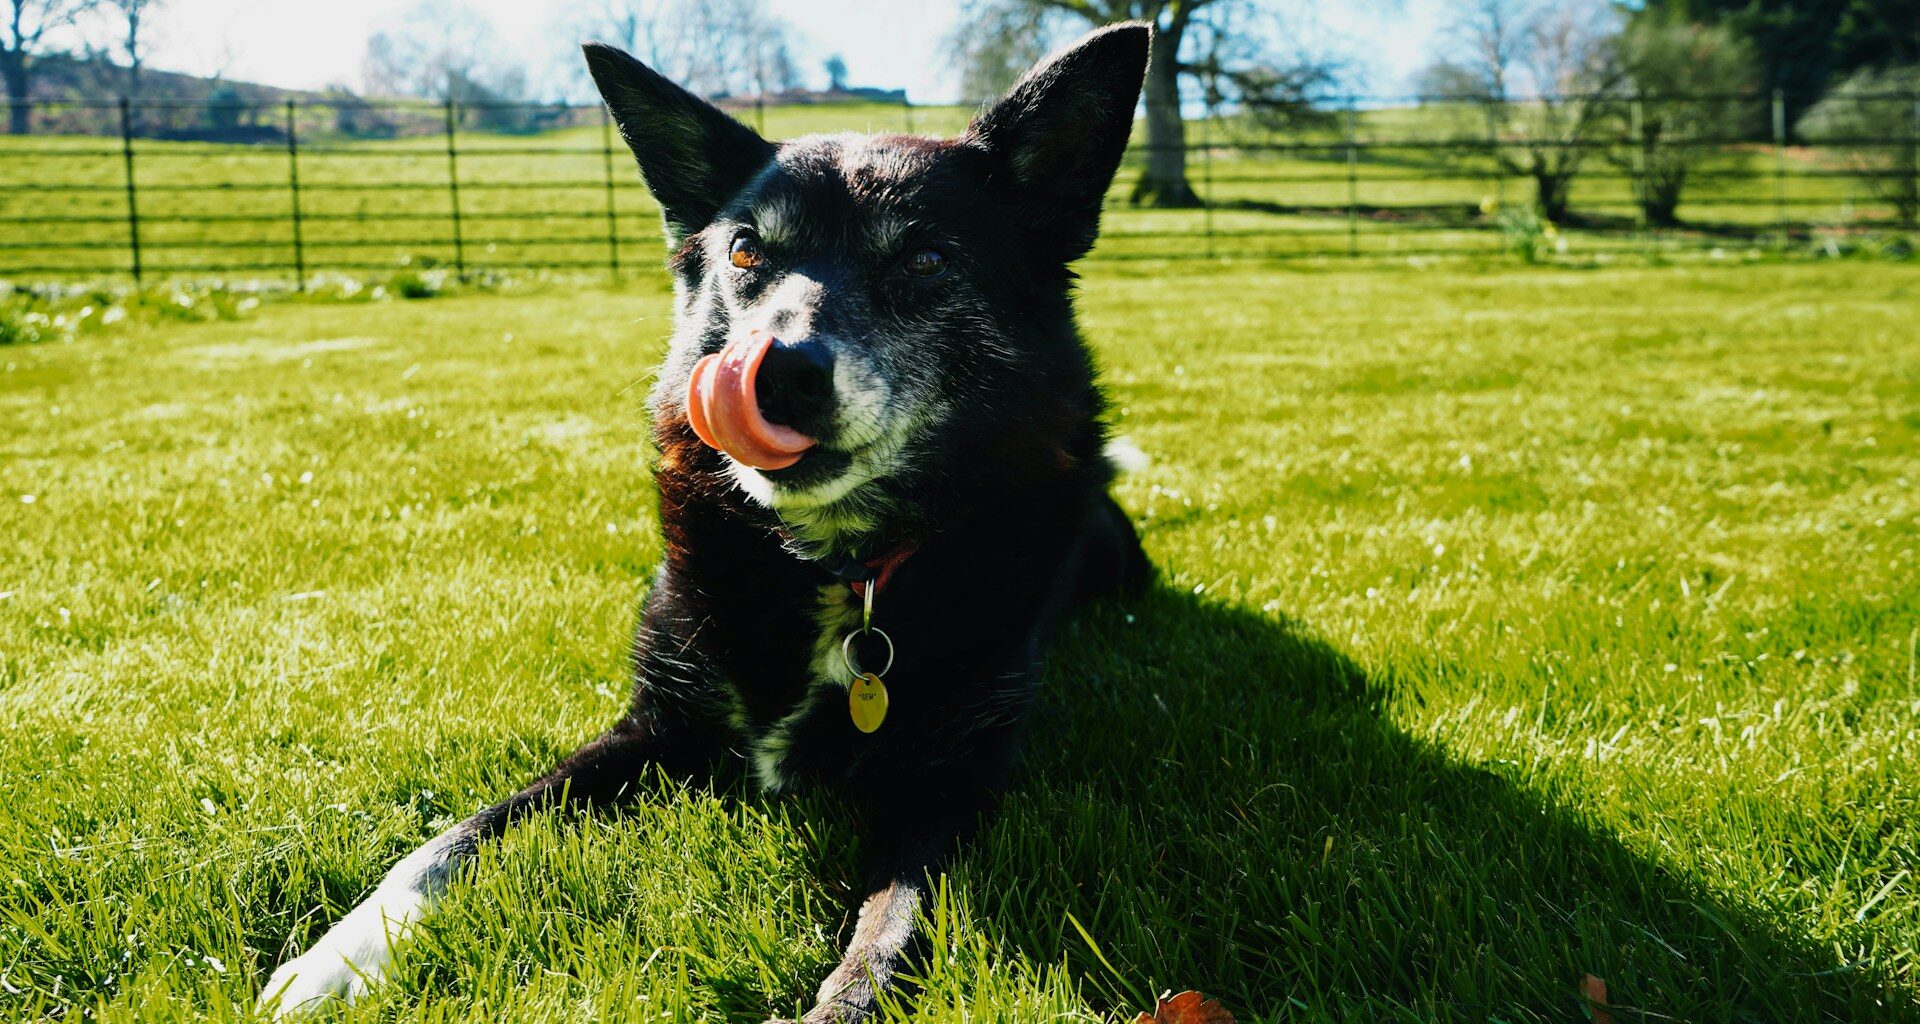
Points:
(133, 94)
(13, 67)
(1553, 195)
(1164, 180)
(133, 60)
(1662, 202)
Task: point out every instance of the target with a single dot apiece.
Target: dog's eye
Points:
(925, 263)
(745, 253)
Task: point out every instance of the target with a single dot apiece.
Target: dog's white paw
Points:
(351, 958)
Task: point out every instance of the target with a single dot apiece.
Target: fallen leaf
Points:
(1595, 991)
(1187, 1008)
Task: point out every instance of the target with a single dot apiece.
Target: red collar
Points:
(856, 572)
(880, 570)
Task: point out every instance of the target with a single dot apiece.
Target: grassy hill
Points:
(79, 96)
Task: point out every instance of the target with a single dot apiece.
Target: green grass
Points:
(1513, 626)
(544, 199)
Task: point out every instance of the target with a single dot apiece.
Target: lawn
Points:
(1514, 625)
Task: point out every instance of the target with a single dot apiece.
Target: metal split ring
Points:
(846, 651)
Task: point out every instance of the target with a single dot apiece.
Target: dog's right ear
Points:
(692, 155)
(1059, 135)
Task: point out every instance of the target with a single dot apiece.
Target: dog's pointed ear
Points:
(692, 155)
(1057, 137)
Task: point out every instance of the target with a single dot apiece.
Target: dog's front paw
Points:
(347, 961)
(831, 1013)
(303, 983)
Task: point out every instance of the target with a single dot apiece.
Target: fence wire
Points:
(165, 188)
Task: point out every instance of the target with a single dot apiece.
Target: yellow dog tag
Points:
(867, 702)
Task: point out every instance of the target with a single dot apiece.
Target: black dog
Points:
(882, 475)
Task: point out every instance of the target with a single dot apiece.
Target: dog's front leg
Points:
(910, 847)
(357, 952)
(880, 941)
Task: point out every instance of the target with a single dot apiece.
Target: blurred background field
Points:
(1413, 181)
(465, 134)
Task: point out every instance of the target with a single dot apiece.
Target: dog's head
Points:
(873, 328)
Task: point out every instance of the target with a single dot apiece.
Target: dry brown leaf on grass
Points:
(1595, 991)
(1186, 1008)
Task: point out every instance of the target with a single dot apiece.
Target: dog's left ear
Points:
(693, 156)
(1058, 136)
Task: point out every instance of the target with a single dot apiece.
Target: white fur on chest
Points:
(838, 615)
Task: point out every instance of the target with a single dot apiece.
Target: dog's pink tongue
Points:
(724, 407)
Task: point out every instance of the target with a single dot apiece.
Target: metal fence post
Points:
(906, 111)
(453, 195)
(395, 193)
(1637, 126)
(613, 230)
(1206, 170)
(1913, 102)
(133, 203)
(1493, 158)
(293, 193)
(1780, 165)
(1353, 179)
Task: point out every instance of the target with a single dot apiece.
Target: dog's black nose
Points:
(795, 386)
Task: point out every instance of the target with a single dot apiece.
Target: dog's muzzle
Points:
(755, 398)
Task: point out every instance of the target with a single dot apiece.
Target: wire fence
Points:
(156, 188)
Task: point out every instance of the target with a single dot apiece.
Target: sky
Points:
(301, 44)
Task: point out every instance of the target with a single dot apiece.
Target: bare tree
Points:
(639, 27)
(1236, 59)
(1446, 81)
(1543, 71)
(28, 23)
(1215, 42)
(222, 57)
(713, 47)
(444, 50)
(759, 44)
(1569, 56)
(132, 35)
(632, 25)
(1485, 43)
(439, 49)
(1163, 182)
(996, 41)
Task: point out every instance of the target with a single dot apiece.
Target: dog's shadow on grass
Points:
(1217, 800)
